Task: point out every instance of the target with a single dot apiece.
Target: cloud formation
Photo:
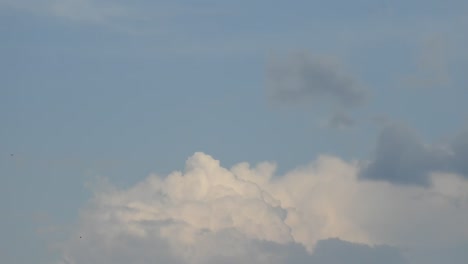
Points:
(210, 214)
(401, 157)
(301, 78)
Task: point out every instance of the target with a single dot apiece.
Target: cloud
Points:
(301, 78)
(401, 157)
(210, 214)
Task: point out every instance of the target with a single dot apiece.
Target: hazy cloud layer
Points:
(301, 78)
(210, 214)
(401, 157)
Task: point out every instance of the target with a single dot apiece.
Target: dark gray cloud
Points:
(401, 157)
(300, 78)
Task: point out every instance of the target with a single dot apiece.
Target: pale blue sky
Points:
(123, 89)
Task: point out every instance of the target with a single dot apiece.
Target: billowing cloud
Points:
(301, 78)
(210, 214)
(401, 157)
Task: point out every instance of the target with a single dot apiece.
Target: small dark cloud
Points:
(300, 78)
(401, 157)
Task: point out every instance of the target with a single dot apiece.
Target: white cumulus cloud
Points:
(210, 214)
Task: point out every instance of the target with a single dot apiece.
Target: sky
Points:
(233, 131)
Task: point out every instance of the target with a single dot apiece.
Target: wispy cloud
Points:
(302, 78)
(318, 82)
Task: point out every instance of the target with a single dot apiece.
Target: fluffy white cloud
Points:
(210, 214)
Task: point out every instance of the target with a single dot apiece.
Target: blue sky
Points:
(120, 90)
